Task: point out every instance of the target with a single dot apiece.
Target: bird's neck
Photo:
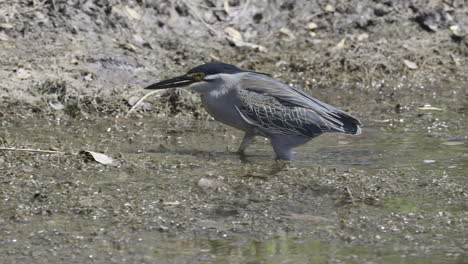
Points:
(216, 87)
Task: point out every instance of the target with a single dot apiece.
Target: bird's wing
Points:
(268, 114)
(313, 113)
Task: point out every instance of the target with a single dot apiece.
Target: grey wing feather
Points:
(285, 102)
(267, 113)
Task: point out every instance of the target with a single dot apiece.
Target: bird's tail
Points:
(350, 124)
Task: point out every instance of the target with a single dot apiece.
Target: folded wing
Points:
(278, 108)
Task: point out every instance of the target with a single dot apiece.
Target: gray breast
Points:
(223, 109)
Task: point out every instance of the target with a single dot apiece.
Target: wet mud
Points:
(175, 191)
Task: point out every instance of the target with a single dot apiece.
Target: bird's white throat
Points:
(216, 85)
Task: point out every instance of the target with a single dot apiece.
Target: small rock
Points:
(362, 37)
(23, 74)
(329, 8)
(457, 31)
(287, 34)
(312, 26)
(88, 77)
(208, 183)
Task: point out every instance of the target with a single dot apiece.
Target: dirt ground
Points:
(175, 192)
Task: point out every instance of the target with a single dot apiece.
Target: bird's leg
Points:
(282, 154)
(245, 143)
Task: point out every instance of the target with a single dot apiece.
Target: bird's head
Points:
(203, 74)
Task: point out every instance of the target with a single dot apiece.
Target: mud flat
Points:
(174, 190)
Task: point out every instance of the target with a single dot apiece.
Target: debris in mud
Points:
(208, 183)
(286, 34)
(459, 31)
(329, 8)
(128, 46)
(411, 65)
(428, 107)
(432, 20)
(73, 54)
(23, 74)
(137, 103)
(5, 26)
(3, 37)
(235, 37)
(339, 46)
(363, 37)
(99, 157)
(312, 26)
(56, 106)
(233, 34)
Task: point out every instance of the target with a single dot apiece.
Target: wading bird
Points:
(262, 106)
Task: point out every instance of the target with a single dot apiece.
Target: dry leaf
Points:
(99, 157)
(411, 65)
(233, 34)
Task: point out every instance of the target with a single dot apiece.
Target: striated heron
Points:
(262, 106)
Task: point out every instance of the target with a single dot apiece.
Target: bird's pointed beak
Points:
(178, 81)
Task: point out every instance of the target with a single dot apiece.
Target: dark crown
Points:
(215, 68)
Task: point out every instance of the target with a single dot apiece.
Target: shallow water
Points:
(163, 155)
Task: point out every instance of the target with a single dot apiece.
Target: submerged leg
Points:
(282, 153)
(283, 145)
(245, 143)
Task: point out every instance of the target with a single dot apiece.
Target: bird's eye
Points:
(198, 76)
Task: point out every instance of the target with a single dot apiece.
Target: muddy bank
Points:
(177, 192)
(382, 194)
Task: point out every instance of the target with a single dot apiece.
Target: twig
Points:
(140, 101)
(350, 195)
(33, 150)
(144, 97)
